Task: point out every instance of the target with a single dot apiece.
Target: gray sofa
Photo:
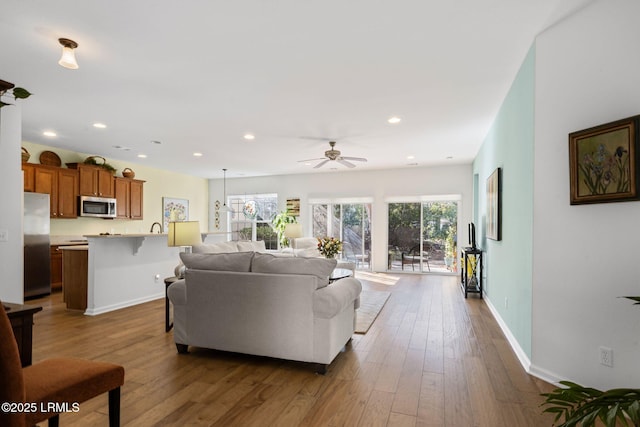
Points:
(261, 304)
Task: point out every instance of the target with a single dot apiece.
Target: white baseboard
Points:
(520, 354)
(107, 308)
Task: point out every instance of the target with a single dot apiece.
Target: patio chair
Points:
(415, 256)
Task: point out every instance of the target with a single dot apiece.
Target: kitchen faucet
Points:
(153, 225)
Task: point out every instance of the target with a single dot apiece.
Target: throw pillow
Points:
(216, 248)
(319, 267)
(233, 261)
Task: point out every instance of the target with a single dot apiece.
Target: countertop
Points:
(74, 248)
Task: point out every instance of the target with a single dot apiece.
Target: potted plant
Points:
(584, 406)
(279, 222)
(449, 248)
(17, 92)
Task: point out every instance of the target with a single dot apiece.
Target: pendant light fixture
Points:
(224, 207)
(68, 58)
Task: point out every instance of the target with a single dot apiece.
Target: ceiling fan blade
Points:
(355, 159)
(311, 160)
(342, 161)
(321, 164)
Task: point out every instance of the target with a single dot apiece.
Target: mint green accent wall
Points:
(508, 263)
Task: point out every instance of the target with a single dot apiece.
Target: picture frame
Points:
(174, 210)
(603, 162)
(494, 205)
(293, 207)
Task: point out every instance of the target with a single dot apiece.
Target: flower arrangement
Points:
(329, 246)
(250, 211)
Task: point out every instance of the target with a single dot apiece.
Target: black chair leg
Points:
(54, 421)
(114, 407)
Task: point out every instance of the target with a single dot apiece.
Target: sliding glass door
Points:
(422, 236)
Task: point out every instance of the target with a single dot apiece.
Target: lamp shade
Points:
(184, 233)
(292, 231)
(68, 59)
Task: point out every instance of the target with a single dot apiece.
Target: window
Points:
(252, 218)
(351, 223)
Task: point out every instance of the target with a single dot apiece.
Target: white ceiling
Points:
(197, 75)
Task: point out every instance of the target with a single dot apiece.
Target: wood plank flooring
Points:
(431, 359)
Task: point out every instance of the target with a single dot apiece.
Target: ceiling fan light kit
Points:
(335, 155)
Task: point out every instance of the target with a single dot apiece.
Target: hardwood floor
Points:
(430, 359)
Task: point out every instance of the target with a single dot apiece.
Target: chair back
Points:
(11, 380)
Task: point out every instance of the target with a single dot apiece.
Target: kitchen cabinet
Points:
(28, 171)
(75, 267)
(129, 195)
(94, 181)
(62, 186)
(56, 268)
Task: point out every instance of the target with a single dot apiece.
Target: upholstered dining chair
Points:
(39, 392)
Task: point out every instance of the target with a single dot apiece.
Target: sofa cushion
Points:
(233, 261)
(319, 267)
(215, 248)
(250, 245)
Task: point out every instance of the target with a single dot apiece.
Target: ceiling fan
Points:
(334, 155)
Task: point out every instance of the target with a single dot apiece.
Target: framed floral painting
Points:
(174, 210)
(603, 162)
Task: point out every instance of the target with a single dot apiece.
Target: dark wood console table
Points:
(21, 318)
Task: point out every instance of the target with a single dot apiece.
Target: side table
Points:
(21, 318)
(167, 282)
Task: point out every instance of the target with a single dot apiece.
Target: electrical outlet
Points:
(157, 278)
(606, 356)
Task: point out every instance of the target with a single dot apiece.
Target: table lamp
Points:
(292, 231)
(184, 234)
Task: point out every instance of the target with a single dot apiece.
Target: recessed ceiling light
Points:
(394, 120)
(49, 133)
(100, 125)
(142, 156)
(449, 157)
(411, 157)
(156, 142)
(197, 154)
(249, 136)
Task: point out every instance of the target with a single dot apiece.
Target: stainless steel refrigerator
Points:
(37, 264)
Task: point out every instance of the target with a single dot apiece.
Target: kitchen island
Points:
(128, 269)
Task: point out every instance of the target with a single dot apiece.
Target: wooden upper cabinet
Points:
(94, 180)
(136, 198)
(28, 172)
(122, 189)
(129, 198)
(62, 187)
(67, 193)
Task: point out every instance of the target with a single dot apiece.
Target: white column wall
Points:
(587, 70)
(11, 251)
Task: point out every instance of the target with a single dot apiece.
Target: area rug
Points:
(371, 302)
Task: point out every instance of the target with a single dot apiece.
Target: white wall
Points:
(11, 252)
(379, 185)
(588, 71)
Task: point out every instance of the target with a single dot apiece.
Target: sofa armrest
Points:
(177, 292)
(333, 299)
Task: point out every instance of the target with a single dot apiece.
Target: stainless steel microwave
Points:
(99, 207)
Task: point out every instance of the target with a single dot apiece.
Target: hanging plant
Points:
(9, 89)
